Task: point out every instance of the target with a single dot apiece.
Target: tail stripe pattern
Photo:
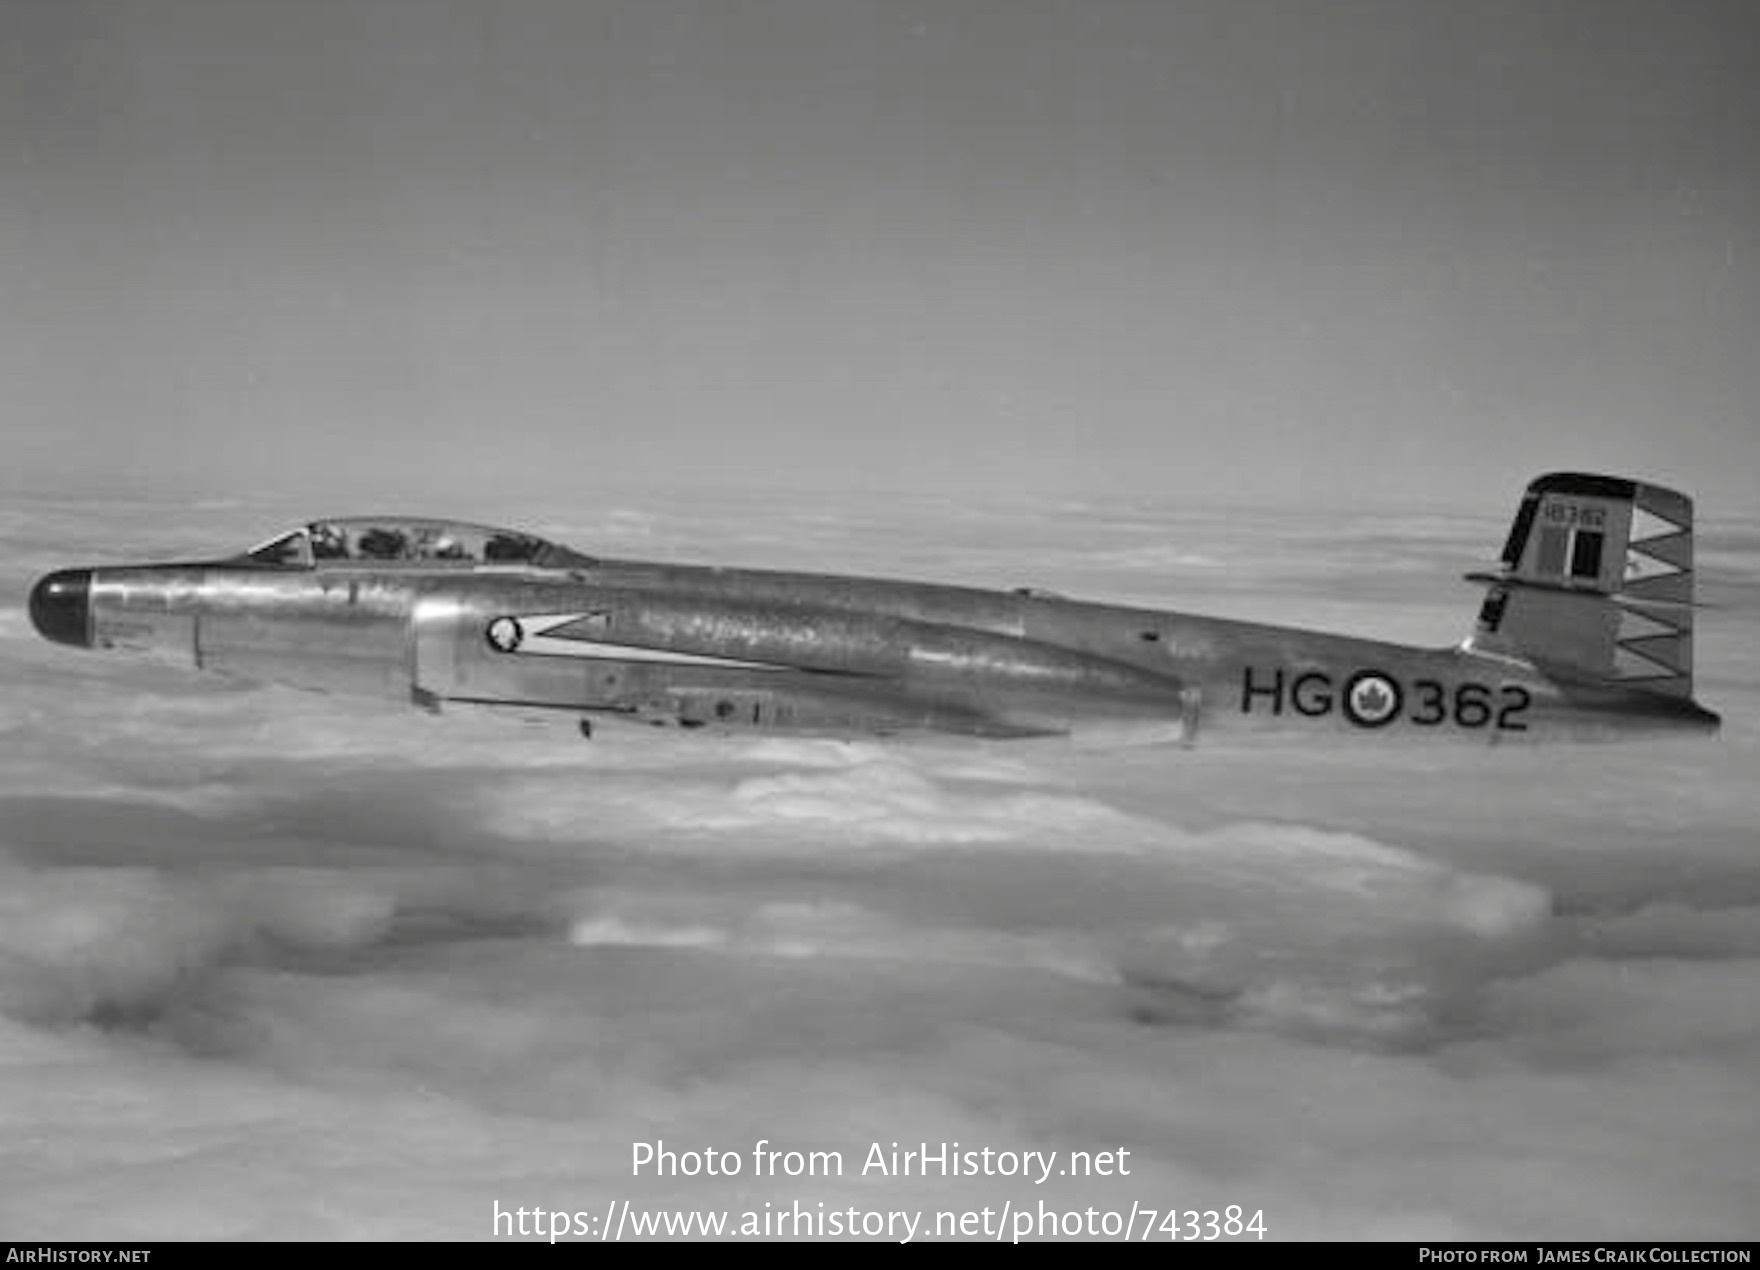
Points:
(1654, 642)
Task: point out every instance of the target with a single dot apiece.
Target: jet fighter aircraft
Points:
(1585, 631)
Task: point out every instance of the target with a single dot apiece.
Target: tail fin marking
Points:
(1596, 583)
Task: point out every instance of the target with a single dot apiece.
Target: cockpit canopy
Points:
(390, 540)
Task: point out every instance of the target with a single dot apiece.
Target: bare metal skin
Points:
(1585, 634)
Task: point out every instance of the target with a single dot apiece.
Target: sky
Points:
(395, 253)
(286, 966)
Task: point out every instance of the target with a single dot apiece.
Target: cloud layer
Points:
(275, 965)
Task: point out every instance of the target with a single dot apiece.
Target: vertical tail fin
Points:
(1596, 584)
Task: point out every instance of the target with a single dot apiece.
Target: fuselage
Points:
(740, 649)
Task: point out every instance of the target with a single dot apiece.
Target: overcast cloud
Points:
(281, 965)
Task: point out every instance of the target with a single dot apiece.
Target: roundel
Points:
(504, 634)
(1371, 699)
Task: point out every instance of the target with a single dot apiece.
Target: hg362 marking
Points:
(1373, 699)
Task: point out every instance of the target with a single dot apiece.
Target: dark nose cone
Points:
(61, 607)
